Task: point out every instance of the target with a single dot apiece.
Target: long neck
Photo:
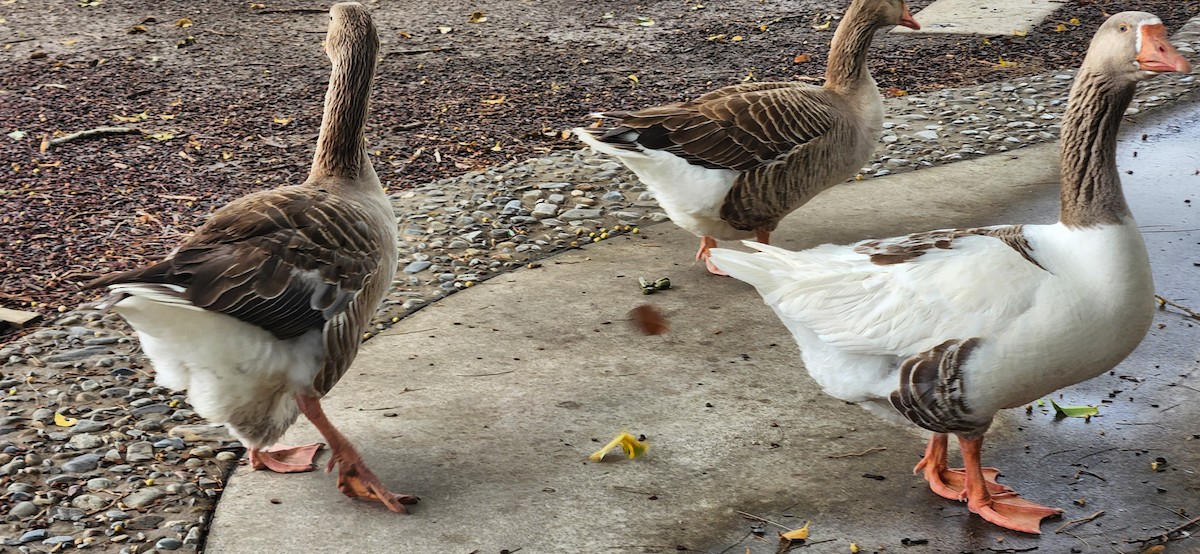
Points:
(1091, 186)
(848, 54)
(340, 146)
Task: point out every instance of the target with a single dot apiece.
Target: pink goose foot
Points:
(282, 458)
(355, 479)
(1005, 509)
(706, 243)
(949, 482)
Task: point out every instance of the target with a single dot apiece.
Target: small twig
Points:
(1086, 472)
(1079, 459)
(401, 391)
(634, 491)
(19, 40)
(487, 374)
(290, 10)
(1165, 537)
(1074, 522)
(93, 133)
(763, 519)
(422, 50)
(1163, 303)
(863, 453)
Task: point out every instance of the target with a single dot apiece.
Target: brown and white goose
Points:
(945, 328)
(261, 311)
(732, 163)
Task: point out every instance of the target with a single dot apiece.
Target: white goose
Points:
(732, 163)
(262, 310)
(945, 328)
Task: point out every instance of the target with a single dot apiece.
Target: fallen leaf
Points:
(17, 135)
(282, 120)
(1020, 33)
(737, 38)
(649, 320)
(183, 22)
(499, 100)
(1073, 411)
(163, 135)
(749, 76)
(477, 17)
(796, 534)
(987, 42)
(632, 447)
(497, 147)
(853, 548)
(185, 42)
(444, 30)
(133, 118)
(1073, 21)
(90, 3)
(801, 58)
(64, 421)
(257, 6)
(1006, 63)
(633, 77)
(895, 92)
(711, 38)
(69, 42)
(644, 21)
(137, 29)
(1060, 28)
(166, 116)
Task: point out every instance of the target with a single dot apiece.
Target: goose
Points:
(915, 328)
(261, 311)
(733, 162)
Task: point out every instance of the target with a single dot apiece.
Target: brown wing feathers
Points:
(739, 127)
(284, 265)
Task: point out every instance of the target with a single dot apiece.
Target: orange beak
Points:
(907, 20)
(1157, 54)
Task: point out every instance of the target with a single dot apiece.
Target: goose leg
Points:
(1005, 509)
(282, 458)
(763, 236)
(949, 482)
(706, 243)
(355, 479)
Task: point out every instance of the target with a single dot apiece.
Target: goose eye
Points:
(1124, 28)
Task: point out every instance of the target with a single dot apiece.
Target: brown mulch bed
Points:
(235, 100)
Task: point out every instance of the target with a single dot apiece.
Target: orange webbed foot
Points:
(282, 458)
(707, 243)
(1013, 512)
(356, 480)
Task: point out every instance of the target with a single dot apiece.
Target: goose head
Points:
(350, 26)
(885, 13)
(1134, 46)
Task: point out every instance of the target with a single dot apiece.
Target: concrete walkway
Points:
(487, 404)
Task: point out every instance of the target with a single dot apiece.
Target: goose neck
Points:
(848, 53)
(1091, 186)
(340, 145)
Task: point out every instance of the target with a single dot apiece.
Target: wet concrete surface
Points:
(512, 383)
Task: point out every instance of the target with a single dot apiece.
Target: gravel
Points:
(135, 468)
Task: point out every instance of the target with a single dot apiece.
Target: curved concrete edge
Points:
(487, 403)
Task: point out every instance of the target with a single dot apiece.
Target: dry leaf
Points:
(161, 136)
(64, 421)
(257, 6)
(477, 17)
(183, 22)
(801, 58)
(853, 548)
(1006, 63)
(133, 118)
(444, 30)
(737, 38)
(644, 21)
(282, 120)
(1019, 33)
(1073, 21)
(634, 78)
(711, 38)
(137, 29)
(499, 100)
(895, 92)
(796, 534)
(633, 447)
(1060, 28)
(649, 320)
